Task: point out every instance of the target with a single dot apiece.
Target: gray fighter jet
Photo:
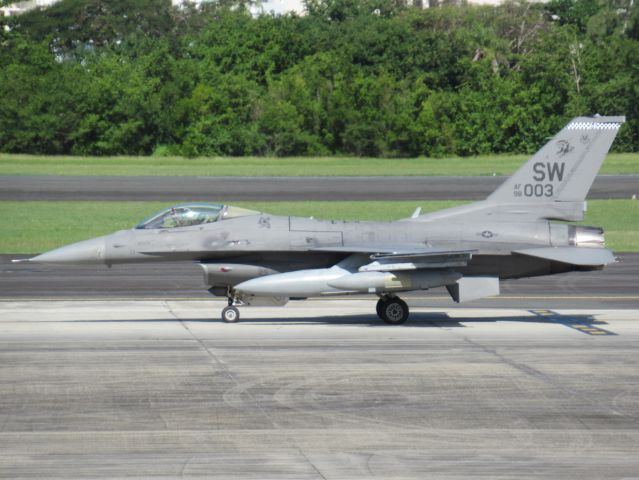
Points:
(253, 258)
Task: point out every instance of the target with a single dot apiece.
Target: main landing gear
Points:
(230, 314)
(393, 310)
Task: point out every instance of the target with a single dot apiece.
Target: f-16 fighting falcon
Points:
(253, 258)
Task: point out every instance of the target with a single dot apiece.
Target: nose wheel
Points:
(230, 314)
(392, 310)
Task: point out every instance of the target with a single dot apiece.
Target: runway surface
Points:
(617, 286)
(225, 189)
(318, 390)
(127, 372)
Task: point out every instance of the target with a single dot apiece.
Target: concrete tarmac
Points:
(316, 390)
(228, 189)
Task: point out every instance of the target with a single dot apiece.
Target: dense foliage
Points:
(357, 77)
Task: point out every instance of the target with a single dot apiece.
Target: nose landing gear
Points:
(392, 310)
(230, 314)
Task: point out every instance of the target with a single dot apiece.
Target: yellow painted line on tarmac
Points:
(570, 322)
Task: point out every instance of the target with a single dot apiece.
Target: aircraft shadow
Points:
(417, 320)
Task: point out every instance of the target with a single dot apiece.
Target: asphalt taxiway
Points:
(617, 286)
(228, 189)
(316, 390)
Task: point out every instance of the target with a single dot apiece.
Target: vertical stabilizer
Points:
(565, 168)
(552, 184)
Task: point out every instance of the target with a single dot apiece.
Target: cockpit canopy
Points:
(193, 214)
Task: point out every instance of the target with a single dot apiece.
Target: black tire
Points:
(395, 311)
(380, 307)
(230, 315)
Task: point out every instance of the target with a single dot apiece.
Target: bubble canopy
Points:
(189, 215)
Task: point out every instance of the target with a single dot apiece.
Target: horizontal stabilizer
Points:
(571, 255)
(473, 288)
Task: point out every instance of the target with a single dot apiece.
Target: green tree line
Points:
(353, 77)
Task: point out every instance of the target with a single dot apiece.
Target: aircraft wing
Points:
(364, 249)
(389, 250)
(387, 259)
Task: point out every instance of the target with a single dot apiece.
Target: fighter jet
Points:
(254, 258)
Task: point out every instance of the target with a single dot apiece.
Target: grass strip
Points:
(621, 163)
(33, 227)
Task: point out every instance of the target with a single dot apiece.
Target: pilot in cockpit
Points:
(191, 215)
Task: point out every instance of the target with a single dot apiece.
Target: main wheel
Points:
(381, 303)
(230, 315)
(395, 311)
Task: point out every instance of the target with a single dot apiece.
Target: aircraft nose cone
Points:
(81, 253)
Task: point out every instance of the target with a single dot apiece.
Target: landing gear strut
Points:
(393, 310)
